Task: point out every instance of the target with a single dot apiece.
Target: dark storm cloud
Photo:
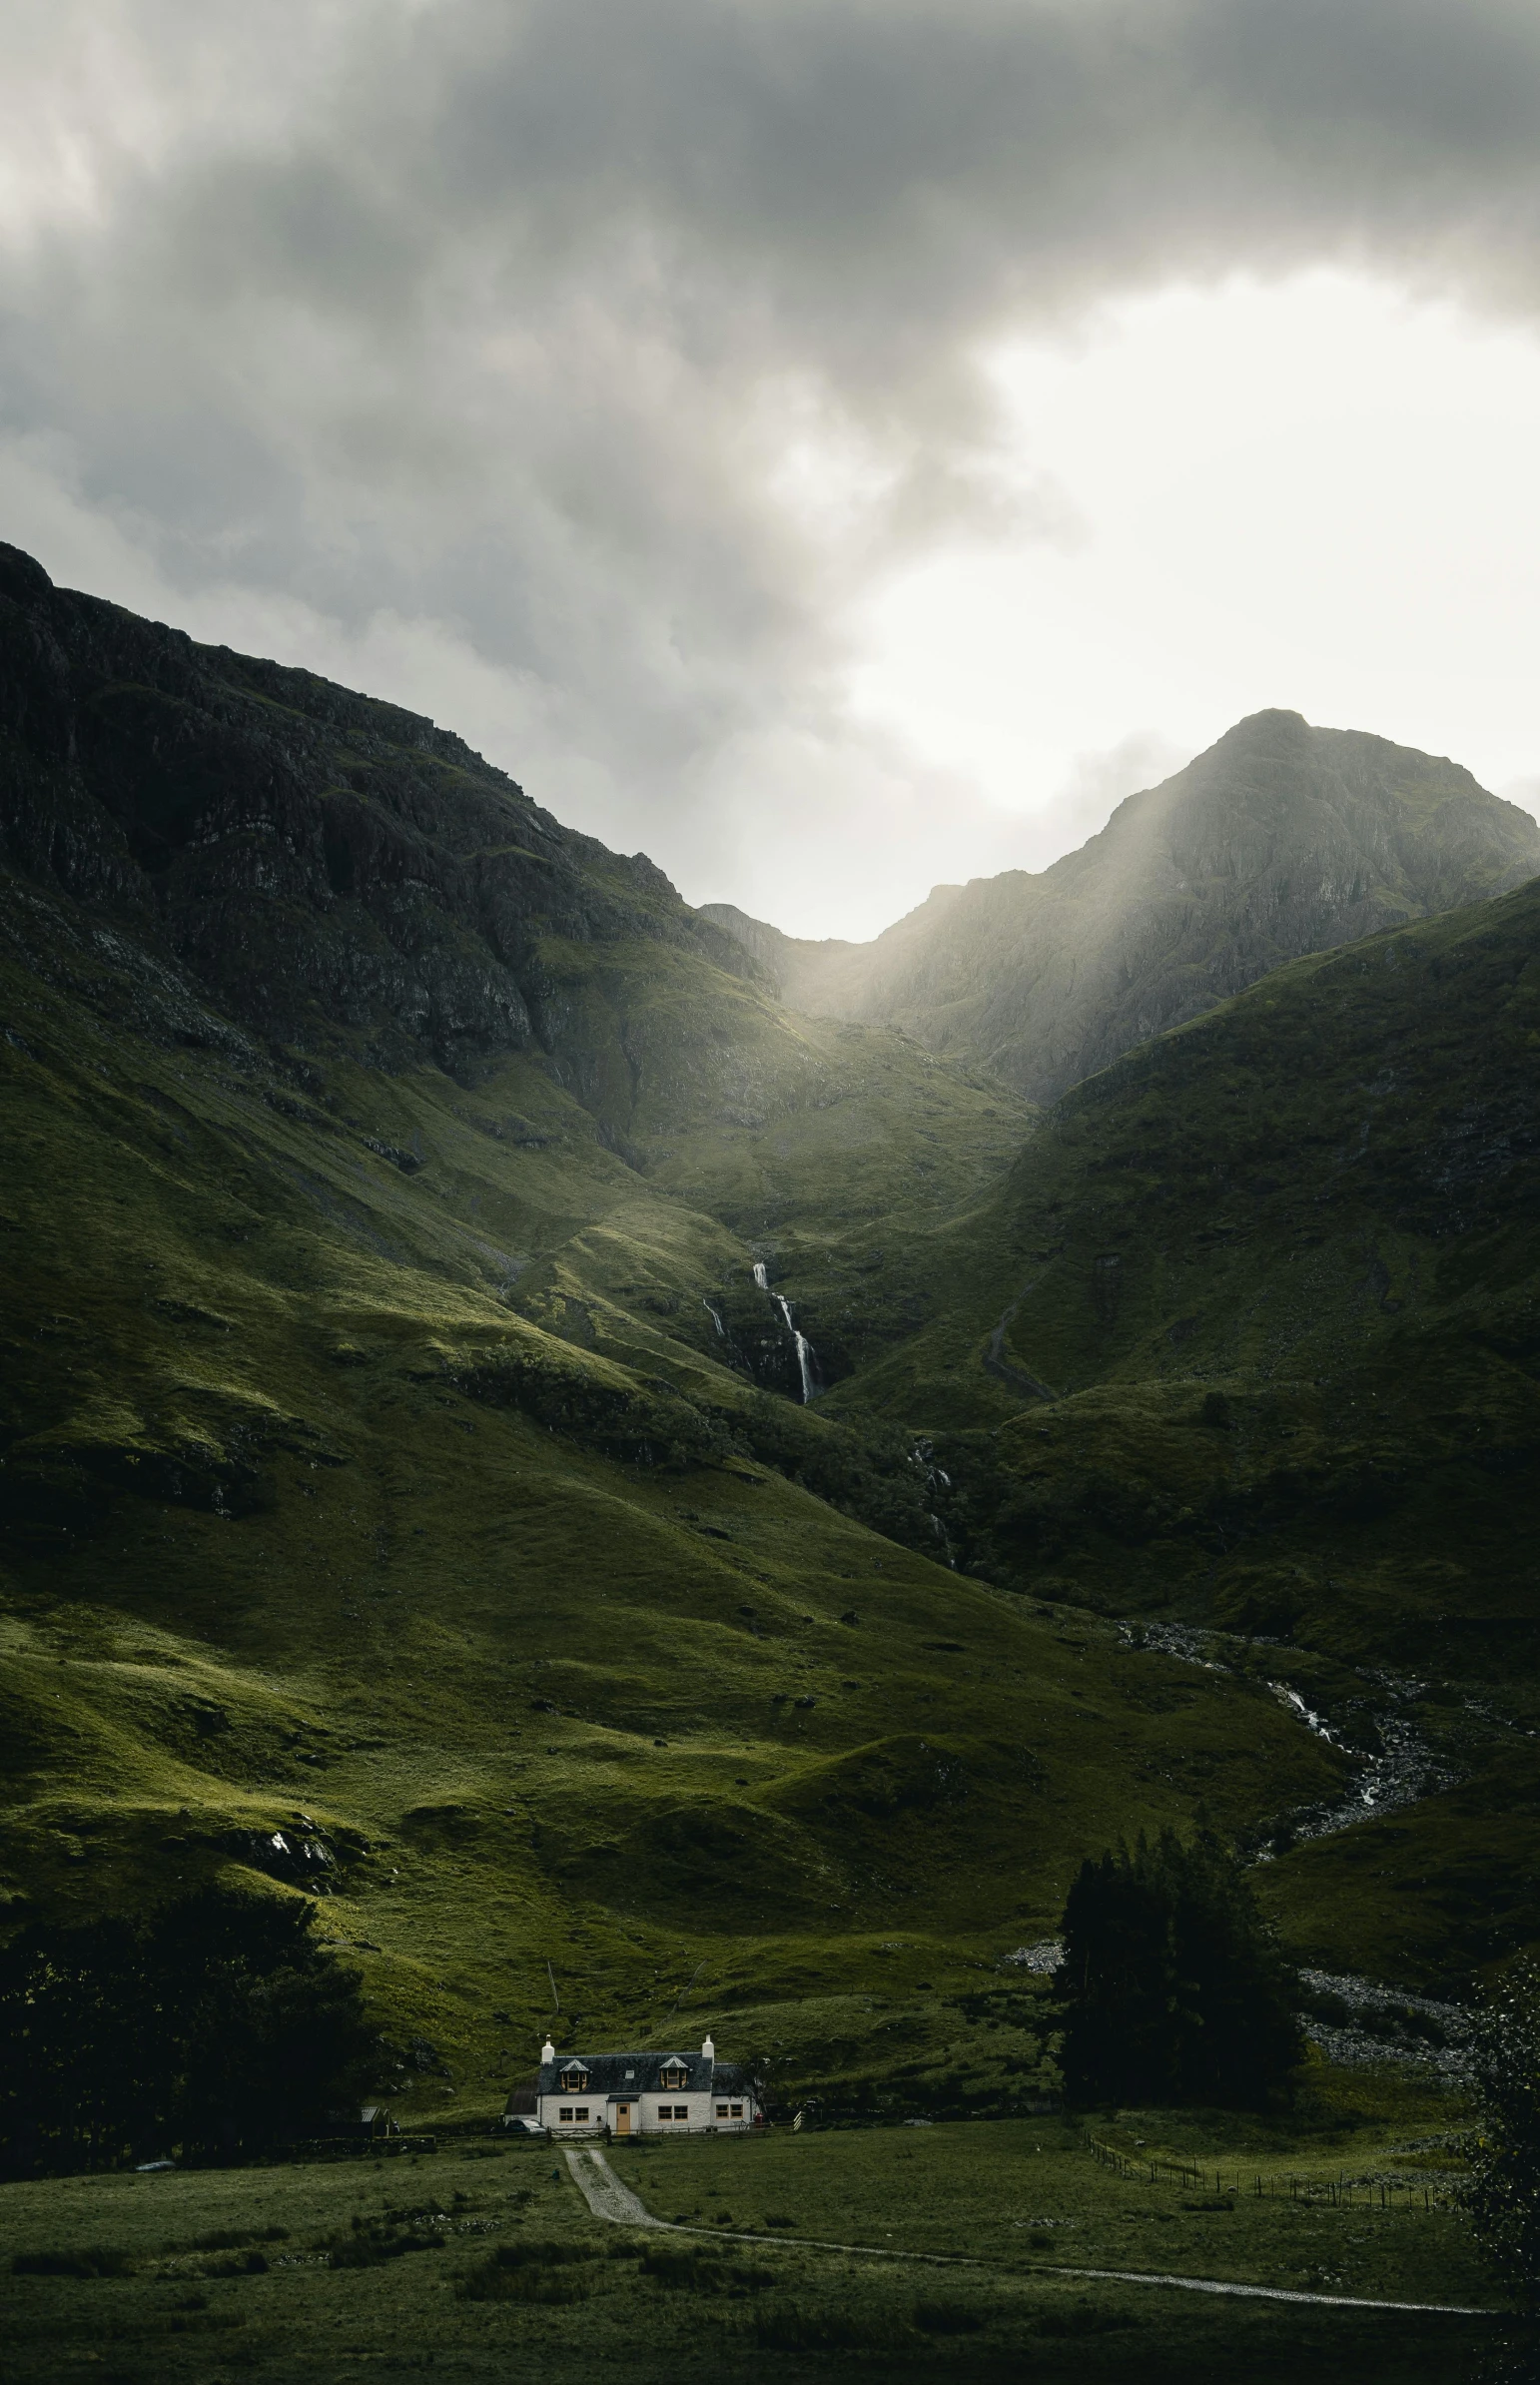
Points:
(500, 316)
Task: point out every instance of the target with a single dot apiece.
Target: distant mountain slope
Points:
(1250, 1339)
(344, 878)
(1282, 838)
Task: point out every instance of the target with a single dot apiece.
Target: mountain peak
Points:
(1280, 839)
(22, 577)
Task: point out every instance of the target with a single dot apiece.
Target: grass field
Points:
(483, 2261)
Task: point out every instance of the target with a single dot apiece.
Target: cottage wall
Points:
(705, 2103)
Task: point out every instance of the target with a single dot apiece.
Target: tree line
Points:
(1171, 1988)
(215, 2026)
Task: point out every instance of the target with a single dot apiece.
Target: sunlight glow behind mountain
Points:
(1319, 496)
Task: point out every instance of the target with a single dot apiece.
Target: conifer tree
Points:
(1502, 2195)
(1171, 1989)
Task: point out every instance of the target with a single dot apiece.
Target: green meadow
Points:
(482, 2261)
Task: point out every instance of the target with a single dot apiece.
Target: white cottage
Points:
(637, 2094)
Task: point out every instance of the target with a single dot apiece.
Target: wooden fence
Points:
(1339, 2193)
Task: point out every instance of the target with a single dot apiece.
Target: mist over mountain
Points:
(1281, 839)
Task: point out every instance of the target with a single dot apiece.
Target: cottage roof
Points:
(622, 2075)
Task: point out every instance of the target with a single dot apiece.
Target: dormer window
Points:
(675, 2074)
(574, 2080)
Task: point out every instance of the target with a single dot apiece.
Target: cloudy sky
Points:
(832, 445)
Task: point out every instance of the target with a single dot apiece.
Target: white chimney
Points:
(709, 2050)
(547, 2051)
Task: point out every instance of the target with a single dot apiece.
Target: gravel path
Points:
(608, 2197)
(1219, 2285)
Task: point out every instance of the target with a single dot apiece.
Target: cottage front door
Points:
(622, 2120)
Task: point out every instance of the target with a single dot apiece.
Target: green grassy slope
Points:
(1249, 1341)
(405, 1514)
(398, 1460)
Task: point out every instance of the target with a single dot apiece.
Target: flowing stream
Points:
(1405, 1768)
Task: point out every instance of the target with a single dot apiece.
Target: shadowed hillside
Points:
(404, 1491)
(1282, 838)
(1250, 1341)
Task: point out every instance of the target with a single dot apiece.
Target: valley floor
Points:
(227, 2273)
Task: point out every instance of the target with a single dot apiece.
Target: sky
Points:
(834, 447)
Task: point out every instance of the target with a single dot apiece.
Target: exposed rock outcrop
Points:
(323, 864)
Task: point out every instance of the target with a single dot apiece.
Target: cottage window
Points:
(721, 2112)
(737, 2111)
(581, 2112)
(566, 2111)
(675, 2078)
(575, 2082)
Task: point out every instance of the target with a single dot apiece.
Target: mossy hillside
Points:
(833, 1151)
(289, 1558)
(840, 1190)
(371, 1292)
(1249, 1341)
(354, 881)
(1276, 1272)
(1433, 1893)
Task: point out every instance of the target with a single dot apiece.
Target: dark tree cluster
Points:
(1502, 2193)
(1171, 1989)
(214, 2027)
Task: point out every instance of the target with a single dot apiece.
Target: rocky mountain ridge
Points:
(331, 868)
(1281, 839)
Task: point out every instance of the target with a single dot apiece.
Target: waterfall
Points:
(804, 1350)
(714, 1314)
(807, 1363)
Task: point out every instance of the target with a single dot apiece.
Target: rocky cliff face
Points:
(329, 868)
(1282, 838)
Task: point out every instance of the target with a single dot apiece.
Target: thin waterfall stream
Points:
(807, 1357)
(804, 1350)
